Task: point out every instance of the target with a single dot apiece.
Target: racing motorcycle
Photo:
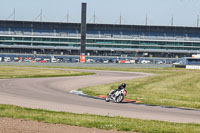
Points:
(117, 96)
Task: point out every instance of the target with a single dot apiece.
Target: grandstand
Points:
(102, 39)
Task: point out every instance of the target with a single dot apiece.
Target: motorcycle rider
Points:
(120, 87)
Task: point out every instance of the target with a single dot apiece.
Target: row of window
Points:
(37, 41)
(99, 46)
(101, 41)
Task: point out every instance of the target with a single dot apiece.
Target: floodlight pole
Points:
(94, 18)
(146, 20)
(14, 15)
(41, 16)
(172, 21)
(67, 17)
(120, 19)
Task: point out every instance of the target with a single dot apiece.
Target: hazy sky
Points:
(159, 12)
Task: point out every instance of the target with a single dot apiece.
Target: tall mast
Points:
(41, 16)
(172, 21)
(67, 17)
(146, 20)
(94, 21)
(197, 20)
(120, 22)
(14, 15)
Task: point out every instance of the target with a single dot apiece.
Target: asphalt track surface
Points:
(54, 94)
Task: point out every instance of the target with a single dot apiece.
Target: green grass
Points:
(97, 121)
(169, 87)
(21, 72)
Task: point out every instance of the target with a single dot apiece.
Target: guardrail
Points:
(192, 67)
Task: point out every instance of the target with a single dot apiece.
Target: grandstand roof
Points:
(107, 27)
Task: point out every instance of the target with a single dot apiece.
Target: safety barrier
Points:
(192, 67)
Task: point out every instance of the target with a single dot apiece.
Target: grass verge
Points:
(96, 121)
(14, 72)
(169, 87)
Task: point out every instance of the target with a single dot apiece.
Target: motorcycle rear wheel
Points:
(119, 98)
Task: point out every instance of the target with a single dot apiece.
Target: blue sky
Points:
(159, 12)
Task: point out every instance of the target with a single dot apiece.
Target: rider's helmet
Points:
(123, 85)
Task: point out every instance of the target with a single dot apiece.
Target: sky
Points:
(134, 12)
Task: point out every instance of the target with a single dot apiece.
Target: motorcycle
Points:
(117, 96)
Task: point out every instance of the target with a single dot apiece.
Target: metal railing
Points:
(139, 37)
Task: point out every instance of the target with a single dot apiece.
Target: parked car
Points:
(38, 59)
(68, 60)
(99, 61)
(125, 61)
(27, 60)
(43, 61)
(176, 63)
(105, 61)
(159, 62)
(90, 60)
(145, 61)
(47, 59)
(18, 59)
(60, 60)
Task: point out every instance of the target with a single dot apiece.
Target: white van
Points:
(53, 60)
(7, 59)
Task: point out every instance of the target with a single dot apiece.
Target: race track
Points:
(53, 94)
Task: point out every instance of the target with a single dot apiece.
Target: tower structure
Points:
(83, 32)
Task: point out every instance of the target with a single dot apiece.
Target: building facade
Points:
(102, 39)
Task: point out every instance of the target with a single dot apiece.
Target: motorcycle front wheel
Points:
(107, 98)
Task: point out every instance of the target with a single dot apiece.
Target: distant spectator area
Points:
(101, 39)
(99, 30)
